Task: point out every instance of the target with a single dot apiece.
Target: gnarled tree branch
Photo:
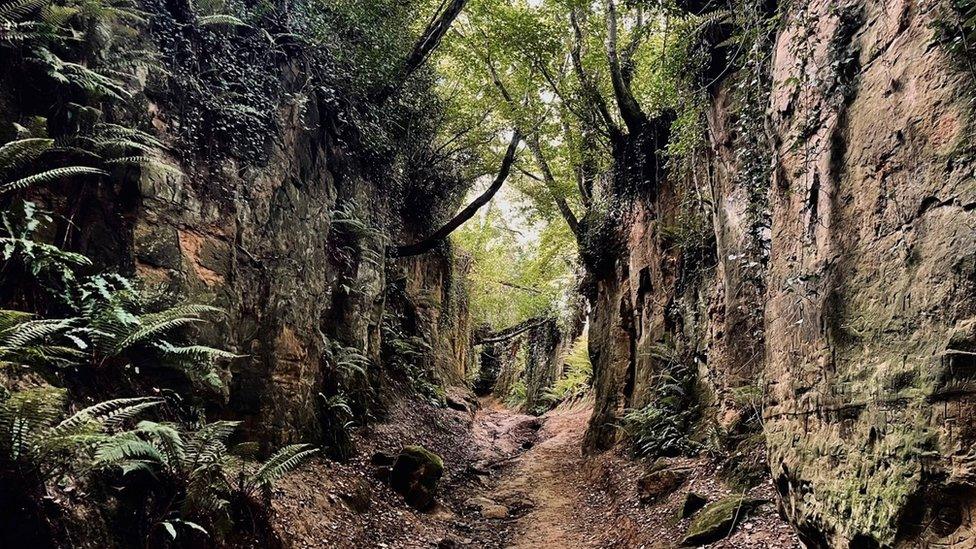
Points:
(425, 45)
(513, 331)
(468, 212)
(630, 110)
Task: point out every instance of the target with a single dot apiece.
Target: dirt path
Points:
(511, 481)
(543, 482)
(557, 498)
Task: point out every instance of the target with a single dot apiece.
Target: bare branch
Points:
(468, 212)
(630, 110)
(425, 45)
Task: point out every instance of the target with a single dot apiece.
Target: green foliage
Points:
(663, 426)
(80, 61)
(519, 269)
(32, 438)
(346, 397)
(577, 376)
(516, 397)
(358, 240)
(337, 419)
(410, 357)
(112, 320)
(202, 467)
(26, 341)
(122, 321)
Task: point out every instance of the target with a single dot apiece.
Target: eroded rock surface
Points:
(839, 280)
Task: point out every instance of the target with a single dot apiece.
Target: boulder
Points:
(382, 459)
(488, 508)
(692, 504)
(415, 475)
(659, 484)
(460, 400)
(717, 520)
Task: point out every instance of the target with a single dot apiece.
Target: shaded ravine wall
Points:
(844, 291)
(534, 359)
(275, 253)
(271, 245)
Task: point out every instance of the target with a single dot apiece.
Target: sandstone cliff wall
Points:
(838, 280)
(871, 305)
(292, 247)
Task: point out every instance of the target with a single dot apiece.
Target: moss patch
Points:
(717, 520)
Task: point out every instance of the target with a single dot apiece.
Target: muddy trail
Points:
(511, 480)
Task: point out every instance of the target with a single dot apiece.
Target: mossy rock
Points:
(717, 520)
(415, 475)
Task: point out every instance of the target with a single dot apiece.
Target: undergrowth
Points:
(663, 427)
(577, 376)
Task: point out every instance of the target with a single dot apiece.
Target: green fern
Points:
(279, 464)
(108, 134)
(108, 414)
(220, 19)
(49, 176)
(144, 161)
(66, 72)
(199, 461)
(14, 10)
(25, 341)
(17, 154)
(30, 433)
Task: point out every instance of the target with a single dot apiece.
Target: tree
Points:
(425, 45)
(438, 236)
(563, 73)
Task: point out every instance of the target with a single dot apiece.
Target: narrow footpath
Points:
(511, 481)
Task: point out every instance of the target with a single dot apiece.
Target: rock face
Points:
(296, 282)
(839, 279)
(872, 275)
(293, 248)
(415, 475)
(691, 505)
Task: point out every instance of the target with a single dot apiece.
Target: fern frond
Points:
(221, 19)
(24, 419)
(196, 351)
(209, 442)
(18, 153)
(145, 161)
(126, 448)
(32, 331)
(137, 465)
(152, 330)
(283, 461)
(15, 9)
(49, 176)
(115, 131)
(106, 414)
(123, 144)
(94, 81)
(10, 319)
(167, 438)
